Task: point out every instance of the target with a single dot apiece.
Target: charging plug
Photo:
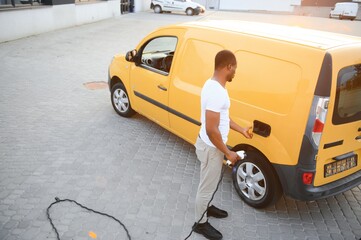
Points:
(242, 154)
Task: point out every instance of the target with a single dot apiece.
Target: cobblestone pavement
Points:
(59, 138)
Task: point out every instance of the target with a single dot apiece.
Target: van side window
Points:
(348, 95)
(157, 54)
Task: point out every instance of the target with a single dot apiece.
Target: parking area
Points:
(60, 138)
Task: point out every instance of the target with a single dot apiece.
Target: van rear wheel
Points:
(255, 181)
(189, 12)
(157, 9)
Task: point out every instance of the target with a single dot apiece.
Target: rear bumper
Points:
(342, 16)
(197, 10)
(291, 179)
(348, 17)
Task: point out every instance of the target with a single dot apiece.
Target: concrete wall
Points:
(20, 23)
(260, 5)
(141, 5)
(322, 3)
(209, 4)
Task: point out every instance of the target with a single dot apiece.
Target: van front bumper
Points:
(291, 180)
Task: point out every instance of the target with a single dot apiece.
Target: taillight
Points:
(307, 178)
(320, 119)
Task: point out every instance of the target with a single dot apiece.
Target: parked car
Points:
(187, 6)
(299, 88)
(344, 10)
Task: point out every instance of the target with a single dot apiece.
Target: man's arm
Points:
(244, 131)
(212, 123)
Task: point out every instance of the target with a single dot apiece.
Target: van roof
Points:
(294, 34)
(347, 3)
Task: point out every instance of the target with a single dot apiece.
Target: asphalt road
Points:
(60, 138)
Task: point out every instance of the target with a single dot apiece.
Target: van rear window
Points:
(348, 95)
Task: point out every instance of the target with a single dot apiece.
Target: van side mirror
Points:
(130, 55)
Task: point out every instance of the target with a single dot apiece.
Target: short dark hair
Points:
(224, 58)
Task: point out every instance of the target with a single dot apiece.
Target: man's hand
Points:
(247, 132)
(232, 156)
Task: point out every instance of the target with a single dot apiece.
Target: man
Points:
(211, 143)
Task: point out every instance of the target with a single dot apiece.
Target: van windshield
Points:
(348, 95)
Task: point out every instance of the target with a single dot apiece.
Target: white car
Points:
(187, 6)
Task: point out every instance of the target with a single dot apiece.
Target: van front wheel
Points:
(255, 181)
(120, 101)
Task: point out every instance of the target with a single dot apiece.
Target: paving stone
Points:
(11, 224)
(60, 139)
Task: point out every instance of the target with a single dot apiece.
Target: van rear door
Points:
(350, 10)
(339, 153)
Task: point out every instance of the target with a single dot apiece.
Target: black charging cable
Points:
(57, 200)
(219, 182)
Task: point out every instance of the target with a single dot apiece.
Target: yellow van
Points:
(299, 88)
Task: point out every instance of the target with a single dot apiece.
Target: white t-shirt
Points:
(215, 98)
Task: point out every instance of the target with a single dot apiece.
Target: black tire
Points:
(189, 11)
(120, 101)
(157, 9)
(256, 181)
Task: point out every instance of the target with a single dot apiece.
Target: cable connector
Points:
(57, 199)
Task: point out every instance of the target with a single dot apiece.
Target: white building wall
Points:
(141, 5)
(259, 5)
(86, 13)
(27, 22)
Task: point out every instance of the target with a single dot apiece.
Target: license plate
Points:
(340, 166)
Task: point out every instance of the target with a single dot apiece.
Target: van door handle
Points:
(161, 87)
(358, 138)
(359, 129)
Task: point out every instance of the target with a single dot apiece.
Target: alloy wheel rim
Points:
(121, 101)
(251, 181)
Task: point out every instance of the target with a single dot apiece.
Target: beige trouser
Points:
(211, 166)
